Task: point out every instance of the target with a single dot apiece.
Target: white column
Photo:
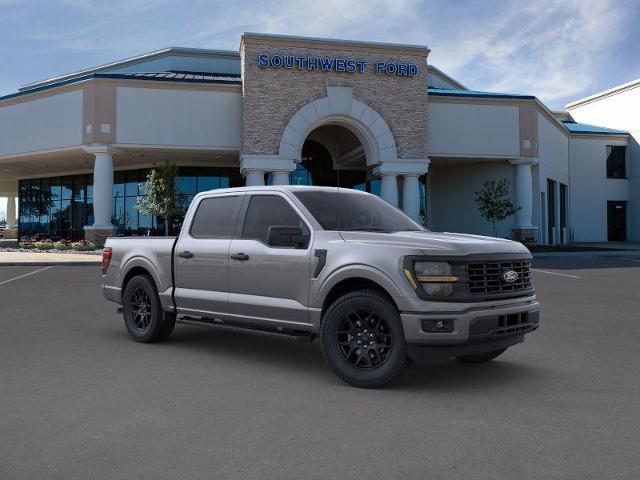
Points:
(524, 193)
(389, 188)
(11, 212)
(280, 178)
(411, 196)
(103, 190)
(254, 178)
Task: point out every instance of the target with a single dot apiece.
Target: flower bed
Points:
(44, 245)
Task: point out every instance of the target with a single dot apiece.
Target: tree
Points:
(494, 202)
(160, 191)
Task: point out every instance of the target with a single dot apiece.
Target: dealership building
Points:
(75, 150)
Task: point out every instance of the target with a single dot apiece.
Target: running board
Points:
(288, 334)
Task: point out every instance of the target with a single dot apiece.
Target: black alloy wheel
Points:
(144, 317)
(141, 309)
(364, 339)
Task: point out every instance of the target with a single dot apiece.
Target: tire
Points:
(144, 317)
(349, 320)
(481, 357)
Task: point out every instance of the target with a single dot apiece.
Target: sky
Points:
(557, 50)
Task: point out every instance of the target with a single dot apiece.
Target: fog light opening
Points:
(437, 326)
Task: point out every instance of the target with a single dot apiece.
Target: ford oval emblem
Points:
(510, 276)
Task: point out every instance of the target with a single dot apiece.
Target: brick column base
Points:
(98, 235)
(9, 233)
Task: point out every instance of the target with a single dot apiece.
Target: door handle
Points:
(240, 256)
(185, 254)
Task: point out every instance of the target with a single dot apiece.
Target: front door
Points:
(269, 285)
(202, 257)
(617, 221)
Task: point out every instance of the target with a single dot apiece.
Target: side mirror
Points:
(288, 237)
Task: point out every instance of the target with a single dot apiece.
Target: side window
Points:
(616, 165)
(215, 217)
(266, 211)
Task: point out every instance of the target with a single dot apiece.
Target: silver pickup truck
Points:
(304, 262)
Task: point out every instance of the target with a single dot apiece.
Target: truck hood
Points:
(438, 243)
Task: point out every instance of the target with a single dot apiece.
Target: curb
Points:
(617, 253)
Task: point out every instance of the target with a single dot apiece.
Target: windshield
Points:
(350, 211)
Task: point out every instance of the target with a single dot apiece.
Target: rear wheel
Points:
(144, 317)
(363, 340)
(481, 357)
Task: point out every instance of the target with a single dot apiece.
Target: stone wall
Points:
(271, 96)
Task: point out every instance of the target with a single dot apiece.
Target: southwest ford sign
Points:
(333, 64)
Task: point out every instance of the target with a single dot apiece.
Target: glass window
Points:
(90, 186)
(215, 217)
(208, 183)
(79, 187)
(119, 214)
(118, 184)
(130, 216)
(616, 164)
(269, 210)
(67, 188)
(186, 184)
(347, 210)
(131, 184)
(301, 176)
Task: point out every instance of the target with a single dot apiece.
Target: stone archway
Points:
(340, 108)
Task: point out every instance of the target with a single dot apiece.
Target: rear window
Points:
(347, 210)
(215, 217)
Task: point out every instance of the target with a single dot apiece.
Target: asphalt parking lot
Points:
(79, 399)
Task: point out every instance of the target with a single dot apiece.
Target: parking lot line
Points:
(25, 275)
(555, 273)
(632, 259)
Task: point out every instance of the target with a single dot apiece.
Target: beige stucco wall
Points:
(178, 117)
(271, 96)
(467, 129)
(54, 121)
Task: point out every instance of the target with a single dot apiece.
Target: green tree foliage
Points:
(161, 199)
(494, 202)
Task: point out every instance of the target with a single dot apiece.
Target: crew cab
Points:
(376, 288)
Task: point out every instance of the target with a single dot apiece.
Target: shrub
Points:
(83, 245)
(62, 245)
(43, 244)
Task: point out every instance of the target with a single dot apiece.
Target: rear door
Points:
(269, 284)
(202, 256)
(617, 221)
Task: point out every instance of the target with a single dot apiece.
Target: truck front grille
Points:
(486, 278)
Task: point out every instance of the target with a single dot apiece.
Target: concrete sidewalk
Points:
(33, 258)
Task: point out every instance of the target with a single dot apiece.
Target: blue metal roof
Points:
(188, 77)
(444, 92)
(585, 128)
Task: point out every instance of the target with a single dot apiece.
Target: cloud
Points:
(551, 49)
(557, 50)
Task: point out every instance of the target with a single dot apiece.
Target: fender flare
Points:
(367, 272)
(138, 262)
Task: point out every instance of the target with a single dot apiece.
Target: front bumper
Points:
(477, 324)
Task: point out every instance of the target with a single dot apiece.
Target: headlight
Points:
(435, 277)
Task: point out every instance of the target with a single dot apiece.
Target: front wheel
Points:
(363, 340)
(481, 357)
(144, 317)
